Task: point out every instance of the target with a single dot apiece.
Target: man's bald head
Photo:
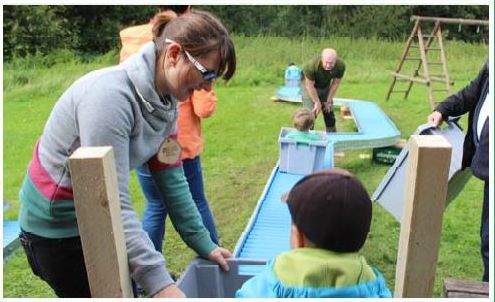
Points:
(328, 58)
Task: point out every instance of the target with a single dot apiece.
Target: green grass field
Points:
(241, 143)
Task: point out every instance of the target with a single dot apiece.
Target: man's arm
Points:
(310, 88)
(463, 101)
(333, 89)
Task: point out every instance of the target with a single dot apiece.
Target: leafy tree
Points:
(35, 29)
(87, 29)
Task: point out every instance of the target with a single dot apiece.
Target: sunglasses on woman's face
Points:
(208, 75)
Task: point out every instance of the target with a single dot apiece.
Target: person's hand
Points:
(328, 107)
(171, 291)
(218, 255)
(435, 119)
(316, 108)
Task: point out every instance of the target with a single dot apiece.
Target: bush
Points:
(35, 30)
(95, 28)
(38, 30)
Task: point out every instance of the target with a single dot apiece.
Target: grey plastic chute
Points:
(390, 193)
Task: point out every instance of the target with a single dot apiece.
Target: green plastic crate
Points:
(387, 155)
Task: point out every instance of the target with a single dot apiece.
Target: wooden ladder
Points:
(424, 43)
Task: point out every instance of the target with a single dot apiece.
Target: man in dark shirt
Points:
(322, 76)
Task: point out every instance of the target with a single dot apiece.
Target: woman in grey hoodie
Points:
(131, 107)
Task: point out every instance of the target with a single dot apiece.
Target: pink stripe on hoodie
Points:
(44, 182)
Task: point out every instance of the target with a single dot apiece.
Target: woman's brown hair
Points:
(199, 33)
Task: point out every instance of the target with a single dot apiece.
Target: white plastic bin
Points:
(301, 158)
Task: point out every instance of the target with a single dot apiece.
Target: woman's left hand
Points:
(219, 255)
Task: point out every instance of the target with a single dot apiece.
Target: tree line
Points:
(41, 29)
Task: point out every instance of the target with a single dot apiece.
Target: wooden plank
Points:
(97, 203)
(465, 295)
(422, 52)
(405, 51)
(408, 45)
(451, 20)
(443, 58)
(426, 191)
(422, 48)
(409, 78)
(440, 80)
(424, 62)
(464, 288)
(431, 36)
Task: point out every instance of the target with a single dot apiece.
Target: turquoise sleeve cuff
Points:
(183, 212)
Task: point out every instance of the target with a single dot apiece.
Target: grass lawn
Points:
(241, 144)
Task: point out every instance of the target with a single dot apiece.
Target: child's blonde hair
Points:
(303, 119)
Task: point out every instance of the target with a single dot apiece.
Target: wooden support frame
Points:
(402, 59)
(97, 203)
(443, 58)
(423, 63)
(426, 192)
(451, 20)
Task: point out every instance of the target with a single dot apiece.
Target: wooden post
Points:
(426, 191)
(97, 203)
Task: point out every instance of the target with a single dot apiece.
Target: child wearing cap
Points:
(331, 216)
(304, 120)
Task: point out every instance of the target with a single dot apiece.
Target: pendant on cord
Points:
(169, 151)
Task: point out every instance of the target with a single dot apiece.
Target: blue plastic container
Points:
(301, 158)
(11, 241)
(293, 76)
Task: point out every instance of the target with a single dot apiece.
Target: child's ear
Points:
(296, 237)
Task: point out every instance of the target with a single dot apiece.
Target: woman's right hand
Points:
(171, 291)
(219, 255)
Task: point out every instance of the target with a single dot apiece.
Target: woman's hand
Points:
(219, 255)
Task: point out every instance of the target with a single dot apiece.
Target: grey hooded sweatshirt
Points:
(118, 107)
